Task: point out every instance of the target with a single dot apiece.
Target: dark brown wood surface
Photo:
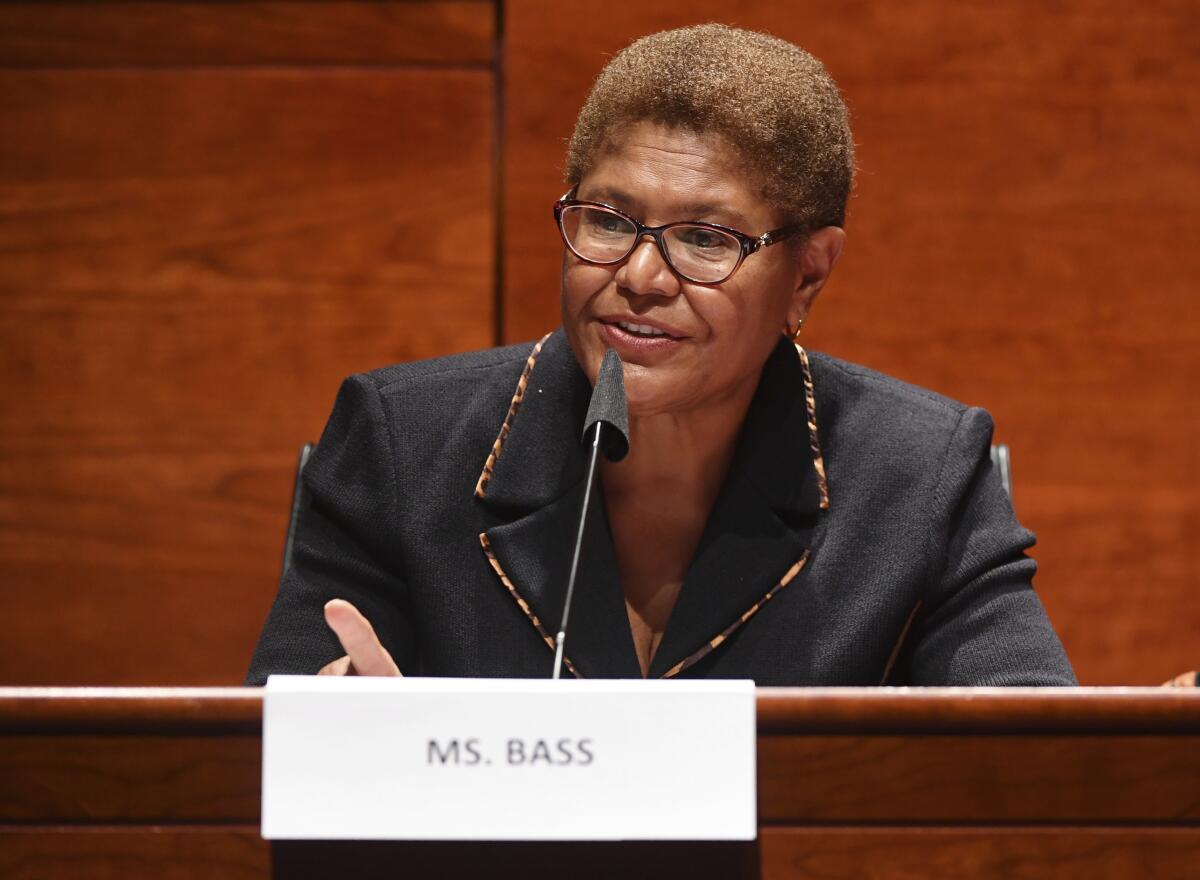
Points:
(980, 779)
(131, 782)
(199, 241)
(1025, 236)
(90, 34)
(115, 852)
(129, 778)
(149, 756)
(1003, 852)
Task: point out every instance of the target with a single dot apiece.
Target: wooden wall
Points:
(210, 212)
(1025, 237)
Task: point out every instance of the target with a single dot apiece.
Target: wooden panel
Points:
(118, 853)
(127, 755)
(192, 261)
(980, 853)
(133, 755)
(74, 34)
(131, 782)
(833, 853)
(979, 779)
(130, 779)
(925, 779)
(1025, 236)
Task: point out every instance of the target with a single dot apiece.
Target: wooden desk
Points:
(852, 783)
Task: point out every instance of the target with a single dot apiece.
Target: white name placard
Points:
(490, 759)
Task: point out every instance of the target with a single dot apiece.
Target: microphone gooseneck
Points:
(605, 428)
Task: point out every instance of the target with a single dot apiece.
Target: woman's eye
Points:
(704, 239)
(602, 222)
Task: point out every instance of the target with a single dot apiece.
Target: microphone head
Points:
(608, 406)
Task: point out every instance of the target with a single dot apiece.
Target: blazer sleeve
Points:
(981, 624)
(345, 545)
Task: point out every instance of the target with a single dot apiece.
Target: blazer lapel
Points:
(535, 553)
(536, 477)
(757, 539)
(746, 555)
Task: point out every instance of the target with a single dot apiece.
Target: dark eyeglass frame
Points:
(749, 244)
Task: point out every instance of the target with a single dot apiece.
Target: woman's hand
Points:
(364, 653)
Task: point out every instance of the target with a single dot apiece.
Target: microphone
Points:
(605, 428)
(608, 408)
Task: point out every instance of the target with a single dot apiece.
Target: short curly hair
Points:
(770, 100)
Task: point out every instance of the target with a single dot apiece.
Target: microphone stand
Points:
(607, 407)
(587, 497)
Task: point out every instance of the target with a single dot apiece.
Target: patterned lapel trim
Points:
(716, 641)
(891, 661)
(518, 396)
(520, 600)
(810, 406)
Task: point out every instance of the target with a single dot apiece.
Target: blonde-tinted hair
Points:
(771, 101)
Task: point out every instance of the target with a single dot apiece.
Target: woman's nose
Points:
(645, 272)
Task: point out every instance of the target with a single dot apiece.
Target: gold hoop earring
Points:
(794, 334)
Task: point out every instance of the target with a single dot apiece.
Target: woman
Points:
(783, 517)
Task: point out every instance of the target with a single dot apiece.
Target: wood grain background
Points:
(1025, 236)
(210, 213)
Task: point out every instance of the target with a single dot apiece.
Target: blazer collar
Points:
(753, 545)
(538, 454)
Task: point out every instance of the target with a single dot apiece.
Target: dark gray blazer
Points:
(862, 536)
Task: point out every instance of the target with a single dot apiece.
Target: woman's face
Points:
(711, 340)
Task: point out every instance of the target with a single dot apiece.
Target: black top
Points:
(861, 537)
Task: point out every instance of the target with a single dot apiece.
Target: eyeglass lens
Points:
(695, 252)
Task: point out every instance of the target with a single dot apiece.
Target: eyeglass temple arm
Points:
(775, 236)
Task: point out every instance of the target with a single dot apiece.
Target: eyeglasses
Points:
(705, 253)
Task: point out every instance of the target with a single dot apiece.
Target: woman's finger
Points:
(362, 646)
(340, 666)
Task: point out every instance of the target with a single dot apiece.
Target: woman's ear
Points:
(817, 257)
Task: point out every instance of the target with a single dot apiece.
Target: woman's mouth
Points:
(635, 341)
(641, 329)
